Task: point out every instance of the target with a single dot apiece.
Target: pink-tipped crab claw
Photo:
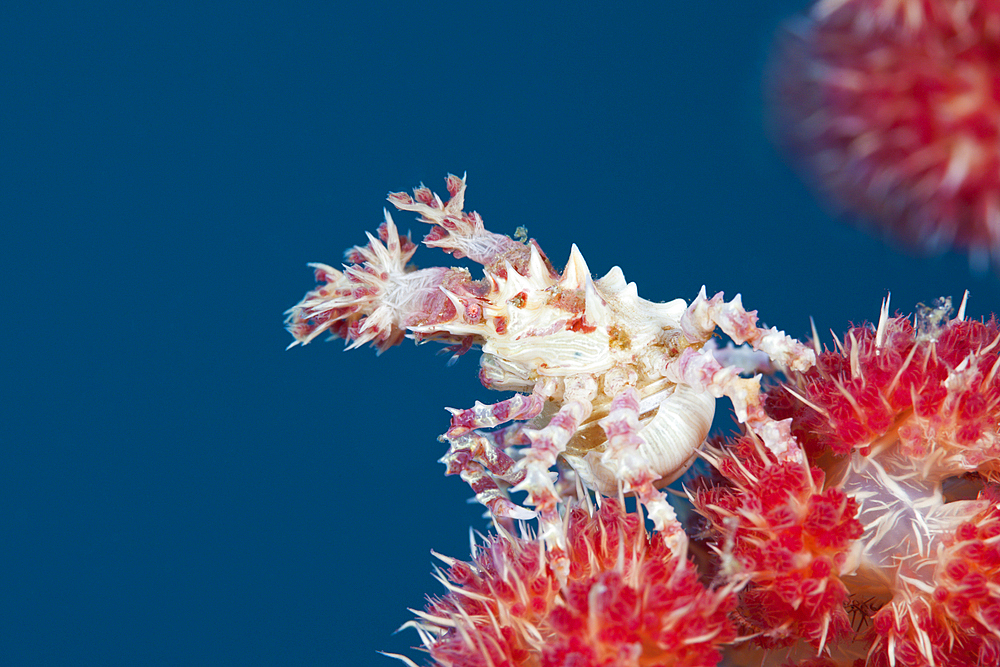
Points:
(619, 388)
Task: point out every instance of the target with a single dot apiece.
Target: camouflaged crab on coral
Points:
(622, 389)
(853, 521)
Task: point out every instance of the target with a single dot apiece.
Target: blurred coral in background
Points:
(891, 110)
(854, 520)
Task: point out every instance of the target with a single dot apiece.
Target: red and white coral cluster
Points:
(888, 552)
(855, 521)
(788, 537)
(930, 387)
(953, 619)
(628, 601)
(904, 417)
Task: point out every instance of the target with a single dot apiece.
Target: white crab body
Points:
(673, 423)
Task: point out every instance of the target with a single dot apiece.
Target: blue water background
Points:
(177, 489)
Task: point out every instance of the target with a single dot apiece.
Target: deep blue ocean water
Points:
(179, 489)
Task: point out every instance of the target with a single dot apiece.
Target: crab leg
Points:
(482, 449)
(516, 408)
(456, 232)
(489, 493)
(546, 445)
(622, 428)
(480, 460)
(702, 371)
(702, 317)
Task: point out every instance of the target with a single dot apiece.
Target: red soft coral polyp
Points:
(903, 417)
(929, 389)
(958, 622)
(786, 539)
(628, 601)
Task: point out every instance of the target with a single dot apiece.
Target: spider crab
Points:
(619, 388)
